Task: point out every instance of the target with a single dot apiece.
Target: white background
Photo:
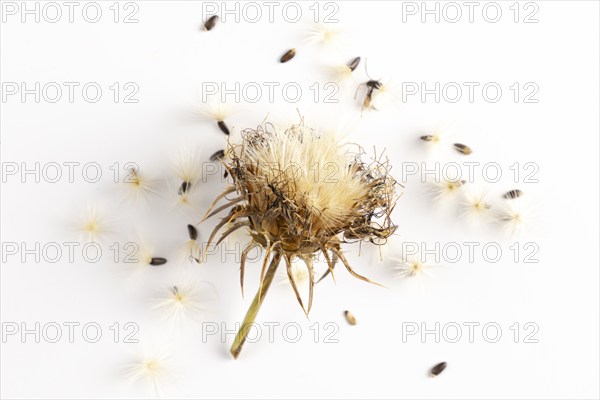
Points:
(169, 57)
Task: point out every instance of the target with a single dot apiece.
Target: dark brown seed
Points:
(427, 138)
(373, 84)
(435, 371)
(513, 194)
(223, 127)
(287, 56)
(463, 148)
(158, 261)
(185, 186)
(354, 63)
(211, 22)
(193, 232)
(350, 318)
(217, 155)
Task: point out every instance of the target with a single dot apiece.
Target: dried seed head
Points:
(462, 148)
(287, 56)
(307, 197)
(211, 22)
(308, 200)
(350, 317)
(437, 369)
(513, 194)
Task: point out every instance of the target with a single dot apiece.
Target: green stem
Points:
(252, 312)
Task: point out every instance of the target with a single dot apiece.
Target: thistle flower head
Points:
(300, 192)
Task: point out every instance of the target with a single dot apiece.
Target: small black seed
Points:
(435, 371)
(354, 63)
(462, 148)
(217, 155)
(158, 261)
(225, 174)
(193, 232)
(211, 22)
(287, 56)
(223, 127)
(427, 138)
(185, 186)
(513, 194)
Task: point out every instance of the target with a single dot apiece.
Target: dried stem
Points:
(252, 312)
